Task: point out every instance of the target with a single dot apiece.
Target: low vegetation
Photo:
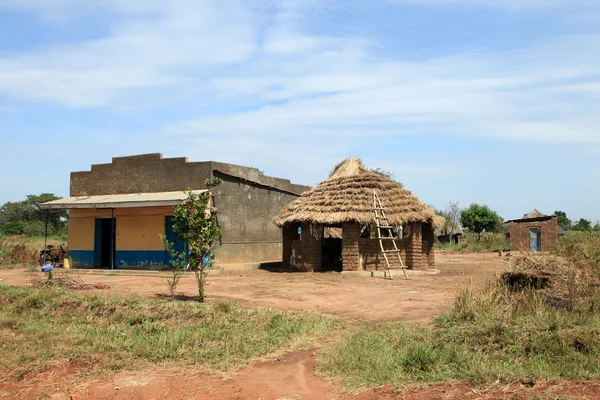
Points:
(507, 332)
(478, 242)
(40, 327)
(21, 250)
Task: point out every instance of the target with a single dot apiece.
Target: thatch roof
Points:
(446, 227)
(534, 214)
(347, 196)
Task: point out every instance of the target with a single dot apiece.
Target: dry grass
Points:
(504, 333)
(16, 253)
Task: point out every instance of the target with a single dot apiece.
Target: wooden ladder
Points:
(383, 224)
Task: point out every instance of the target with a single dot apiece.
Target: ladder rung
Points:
(392, 251)
(386, 238)
(385, 227)
(397, 267)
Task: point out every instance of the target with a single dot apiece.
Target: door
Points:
(104, 242)
(173, 237)
(534, 239)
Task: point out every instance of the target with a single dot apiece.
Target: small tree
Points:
(178, 262)
(562, 220)
(583, 225)
(480, 218)
(197, 227)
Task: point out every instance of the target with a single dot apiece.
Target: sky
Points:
(494, 102)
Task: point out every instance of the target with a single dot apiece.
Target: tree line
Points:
(26, 218)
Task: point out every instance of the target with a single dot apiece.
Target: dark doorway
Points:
(332, 255)
(104, 242)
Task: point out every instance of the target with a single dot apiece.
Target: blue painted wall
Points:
(82, 258)
(139, 258)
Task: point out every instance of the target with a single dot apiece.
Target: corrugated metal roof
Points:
(120, 200)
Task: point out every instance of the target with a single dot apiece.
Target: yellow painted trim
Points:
(81, 233)
(140, 232)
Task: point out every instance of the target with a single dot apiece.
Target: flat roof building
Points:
(118, 210)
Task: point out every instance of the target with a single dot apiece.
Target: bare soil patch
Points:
(362, 298)
(292, 376)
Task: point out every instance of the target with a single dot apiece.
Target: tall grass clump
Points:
(505, 332)
(43, 326)
(14, 253)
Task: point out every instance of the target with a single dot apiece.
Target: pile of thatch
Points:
(566, 277)
(347, 196)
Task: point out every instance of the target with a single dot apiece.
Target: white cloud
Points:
(506, 4)
(294, 82)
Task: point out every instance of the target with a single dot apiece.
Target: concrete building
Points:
(118, 210)
(345, 202)
(534, 232)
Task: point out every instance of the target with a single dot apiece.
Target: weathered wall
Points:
(519, 234)
(351, 247)
(307, 252)
(415, 258)
(428, 245)
(152, 173)
(247, 202)
(140, 174)
(245, 213)
(372, 258)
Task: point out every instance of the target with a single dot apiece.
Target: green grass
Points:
(41, 326)
(471, 242)
(484, 337)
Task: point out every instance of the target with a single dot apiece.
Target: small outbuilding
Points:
(448, 231)
(345, 201)
(534, 232)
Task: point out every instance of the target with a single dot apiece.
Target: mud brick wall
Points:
(428, 244)
(351, 247)
(307, 252)
(371, 257)
(519, 234)
(415, 258)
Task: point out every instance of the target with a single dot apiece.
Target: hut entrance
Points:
(331, 257)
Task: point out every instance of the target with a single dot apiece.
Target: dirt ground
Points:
(362, 298)
(292, 376)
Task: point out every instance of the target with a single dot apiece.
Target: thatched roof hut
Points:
(344, 201)
(444, 226)
(347, 196)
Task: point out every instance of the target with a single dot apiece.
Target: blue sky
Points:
(495, 102)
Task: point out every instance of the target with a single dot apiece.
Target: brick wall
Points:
(307, 252)
(519, 234)
(351, 247)
(371, 257)
(428, 243)
(415, 257)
